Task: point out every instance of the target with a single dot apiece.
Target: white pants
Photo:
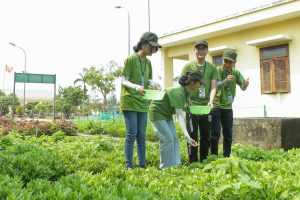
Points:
(168, 143)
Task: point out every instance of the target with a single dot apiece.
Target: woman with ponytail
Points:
(161, 116)
(136, 75)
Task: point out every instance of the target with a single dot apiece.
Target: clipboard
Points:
(154, 94)
(200, 110)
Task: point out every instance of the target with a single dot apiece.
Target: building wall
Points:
(251, 103)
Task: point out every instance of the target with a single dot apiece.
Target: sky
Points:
(63, 36)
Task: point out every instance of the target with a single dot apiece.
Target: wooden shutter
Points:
(281, 75)
(274, 68)
(266, 76)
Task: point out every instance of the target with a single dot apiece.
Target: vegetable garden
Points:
(62, 166)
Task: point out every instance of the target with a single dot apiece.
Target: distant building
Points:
(267, 41)
(32, 95)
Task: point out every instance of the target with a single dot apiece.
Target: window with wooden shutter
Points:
(275, 75)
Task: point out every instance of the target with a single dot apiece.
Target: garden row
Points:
(78, 167)
(114, 128)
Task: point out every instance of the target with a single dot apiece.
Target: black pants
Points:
(203, 123)
(222, 117)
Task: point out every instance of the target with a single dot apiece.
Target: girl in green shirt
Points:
(136, 74)
(222, 114)
(161, 116)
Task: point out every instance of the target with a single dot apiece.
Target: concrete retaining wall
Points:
(267, 133)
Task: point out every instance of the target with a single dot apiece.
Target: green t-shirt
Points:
(221, 98)
(135, 68)
(210, 73)
(174, 98)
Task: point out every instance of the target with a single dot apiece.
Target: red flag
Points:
(8, 69)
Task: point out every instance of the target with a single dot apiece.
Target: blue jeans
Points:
(168, 143)
(136, 123)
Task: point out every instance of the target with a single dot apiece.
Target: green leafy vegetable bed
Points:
(70, 167)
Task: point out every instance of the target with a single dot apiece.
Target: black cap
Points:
(201, 42)
(151, 38)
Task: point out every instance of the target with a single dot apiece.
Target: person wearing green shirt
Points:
(222, 114)
(161, 116)
(136, 76)
(204, 96)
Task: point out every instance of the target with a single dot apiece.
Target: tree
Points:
(30, 108)
(83, 79)
(68, 99)
(112, 101)
(102, 79)
(6, 101)
(43, 108)
(2, 93)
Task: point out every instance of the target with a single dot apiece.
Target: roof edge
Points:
(227, 17)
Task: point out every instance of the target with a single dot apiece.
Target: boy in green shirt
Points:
(222, 112)
(204, 96)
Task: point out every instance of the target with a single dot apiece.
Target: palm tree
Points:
(83, 79)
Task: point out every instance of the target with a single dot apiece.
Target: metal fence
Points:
(104, 116)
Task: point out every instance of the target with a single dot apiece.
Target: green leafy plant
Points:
(58, 136)
(92, 127)
(20, 110)
(42, 109)
(37, 128)
(68, 127)
(93, 167)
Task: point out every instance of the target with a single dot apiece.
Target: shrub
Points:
(5, 142)
(115, 128)
(37, 128)
(42, 108)
(30, 162)
(92, 127)
(9, 185)
(58, 136)
(68, 127)
(19, 110)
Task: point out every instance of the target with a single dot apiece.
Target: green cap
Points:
(151, 38)
(201, 42)
(229, 55)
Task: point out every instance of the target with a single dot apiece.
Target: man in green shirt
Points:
(222, 113)
(203, 96)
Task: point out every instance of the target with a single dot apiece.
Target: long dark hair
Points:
(190, 76)
(139, 45)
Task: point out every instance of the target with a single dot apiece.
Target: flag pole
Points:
(4, 76)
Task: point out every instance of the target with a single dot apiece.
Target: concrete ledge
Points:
(267, 133)
(270, 40)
